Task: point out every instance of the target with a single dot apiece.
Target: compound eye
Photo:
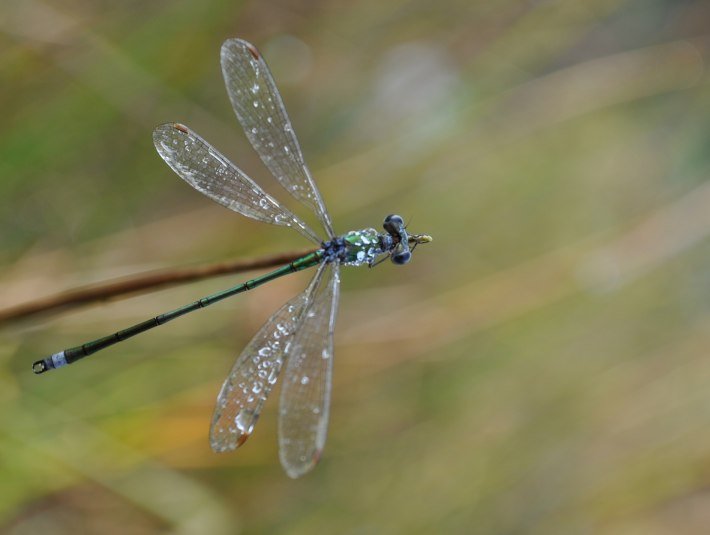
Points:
(401, 258)
(393, 224)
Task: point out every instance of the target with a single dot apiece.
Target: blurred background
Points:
(542, 367)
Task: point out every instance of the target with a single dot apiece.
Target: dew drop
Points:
(282, 328)
(305, 380)
(273, 375)
(244, 420)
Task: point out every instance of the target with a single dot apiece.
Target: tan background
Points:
(541, 368)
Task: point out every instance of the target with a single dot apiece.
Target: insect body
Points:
(298, 336)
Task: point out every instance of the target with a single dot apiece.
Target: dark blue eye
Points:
(393, 224)
(401, 258)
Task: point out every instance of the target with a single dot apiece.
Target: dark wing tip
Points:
(220, 446)
(165, 130)
(252, 50)
(230, 45)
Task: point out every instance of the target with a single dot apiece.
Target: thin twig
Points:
(126, 286)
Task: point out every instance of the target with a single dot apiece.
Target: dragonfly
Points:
(299, 335)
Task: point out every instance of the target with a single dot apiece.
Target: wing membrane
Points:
(261, 112)
(210, 173)
(255, 372)
(305, 394)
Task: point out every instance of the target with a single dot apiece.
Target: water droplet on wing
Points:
(244, 420)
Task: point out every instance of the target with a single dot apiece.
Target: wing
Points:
(261, 112)
(305, 395)
(206, 170)
(255, 372)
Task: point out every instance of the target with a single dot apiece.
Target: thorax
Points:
(355, 248)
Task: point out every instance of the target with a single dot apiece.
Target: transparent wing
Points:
(255, 372)
(305, 395)
(206, 170)
(261, 112)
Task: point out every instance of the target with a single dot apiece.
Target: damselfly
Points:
(299, 335)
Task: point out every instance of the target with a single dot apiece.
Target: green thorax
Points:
(361, 247)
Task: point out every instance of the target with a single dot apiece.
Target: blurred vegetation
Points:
(542, 367)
